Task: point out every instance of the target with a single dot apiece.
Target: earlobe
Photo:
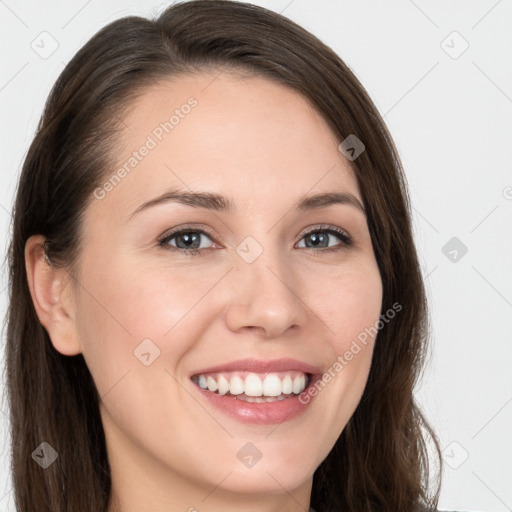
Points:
(50, 291)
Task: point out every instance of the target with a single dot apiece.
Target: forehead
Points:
(249, 137)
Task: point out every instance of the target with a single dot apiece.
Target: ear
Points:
(51, 293)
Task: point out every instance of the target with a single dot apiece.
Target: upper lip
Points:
(261, 366)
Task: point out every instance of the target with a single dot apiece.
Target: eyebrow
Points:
(220, 203)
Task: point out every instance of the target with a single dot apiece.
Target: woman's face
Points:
(262, 286)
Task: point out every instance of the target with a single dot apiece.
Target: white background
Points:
(451, 117)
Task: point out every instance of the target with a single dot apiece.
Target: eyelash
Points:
(343, 235)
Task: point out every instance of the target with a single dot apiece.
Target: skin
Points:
(264, 146)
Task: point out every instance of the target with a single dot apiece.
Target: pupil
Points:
(316, 238)
(189, 239)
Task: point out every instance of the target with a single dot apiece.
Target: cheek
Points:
(128, 309)
(348, 301)
(139, 301)
(357, 329)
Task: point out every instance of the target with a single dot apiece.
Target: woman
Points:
(272, 368)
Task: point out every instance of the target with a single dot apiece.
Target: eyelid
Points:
(176, 230)
(325, 227)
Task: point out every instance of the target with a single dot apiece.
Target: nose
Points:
(265, 297)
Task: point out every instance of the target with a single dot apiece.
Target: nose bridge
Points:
(264, 295)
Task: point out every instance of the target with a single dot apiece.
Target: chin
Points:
(265, 481)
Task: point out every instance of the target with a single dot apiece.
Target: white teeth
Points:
(273, 384)
(298, 384)
(236, 386)
(287, 385)
(202, 382)
(223, 385)
(212, 384)
(253, 385)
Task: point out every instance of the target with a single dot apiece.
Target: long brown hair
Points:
(380, 461)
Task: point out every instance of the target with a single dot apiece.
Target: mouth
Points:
(258, 392)
(254, 387)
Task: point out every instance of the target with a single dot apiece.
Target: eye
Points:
(188, 239)
(321, 234)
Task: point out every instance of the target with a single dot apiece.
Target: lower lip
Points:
(267, 413)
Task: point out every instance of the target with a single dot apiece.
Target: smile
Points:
(254, 387)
